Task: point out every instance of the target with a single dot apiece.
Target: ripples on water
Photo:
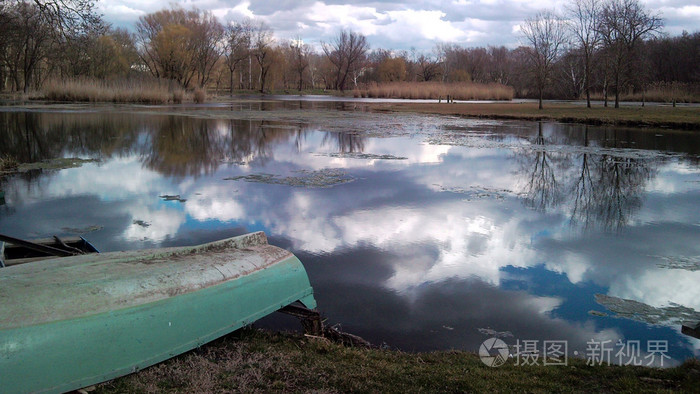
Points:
(421, 232)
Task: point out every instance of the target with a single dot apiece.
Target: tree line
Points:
(596, 47)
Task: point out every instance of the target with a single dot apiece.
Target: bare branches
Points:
(179, 45)
(263, 51)
(346, 52)
(584, 23)
(623, 25)
(69, 15)
(237, 43)
(546, 35)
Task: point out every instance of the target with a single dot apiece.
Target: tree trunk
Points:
(605, 92)
(587, 77)
(231, 87)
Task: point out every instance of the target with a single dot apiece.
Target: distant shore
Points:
(652, 115)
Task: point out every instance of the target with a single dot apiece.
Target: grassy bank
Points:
(254, 361)
(436, 90)
(687, 118)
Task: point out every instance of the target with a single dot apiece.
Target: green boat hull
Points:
(66, 354)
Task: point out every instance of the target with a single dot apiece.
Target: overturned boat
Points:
(70, 322)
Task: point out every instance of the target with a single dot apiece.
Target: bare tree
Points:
(26, 43)
(207, 34)
(300, 54)
(236, 46)
(624, 24)
(501, 64)
(584, 21)
(263, 51)
(179, 44)
(428, 69)
(546, 35)
(346, 53)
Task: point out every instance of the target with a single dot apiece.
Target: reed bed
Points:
(437, 90)
(111, 91)
(661, 92)
(199, 96)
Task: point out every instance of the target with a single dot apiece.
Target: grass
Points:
(687, 118)
(260, 361)
(436, 90)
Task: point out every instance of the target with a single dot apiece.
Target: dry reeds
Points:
(107, 91)
(662, 92)
(8, 163)
(666, 93)
(178, 95)
(437, 90)
(200, 95)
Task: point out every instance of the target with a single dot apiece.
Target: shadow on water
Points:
(600, 189)
(171, 145)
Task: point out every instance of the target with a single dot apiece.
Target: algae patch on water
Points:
(358, 155)
(55, 164)
(327, 177)
(673, 314)
(688, 263)
(83, 230)
(478, 193)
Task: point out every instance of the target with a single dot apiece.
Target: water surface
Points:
(418, 232)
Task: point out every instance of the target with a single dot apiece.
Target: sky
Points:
(390, 24)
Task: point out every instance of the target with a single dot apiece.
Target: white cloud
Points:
(392, 25)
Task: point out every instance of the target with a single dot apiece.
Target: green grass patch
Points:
(253, 360)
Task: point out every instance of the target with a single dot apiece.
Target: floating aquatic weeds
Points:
(357, 155)
(478, 193)
(484, 141)
(169, 197)
(141, 223)
(597, 313)
(493, 333)
(688, 263)
(673, 314)
(326, 177)
(73, 230)
(55, 164)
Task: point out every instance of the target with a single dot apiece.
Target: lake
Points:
(418, 232)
